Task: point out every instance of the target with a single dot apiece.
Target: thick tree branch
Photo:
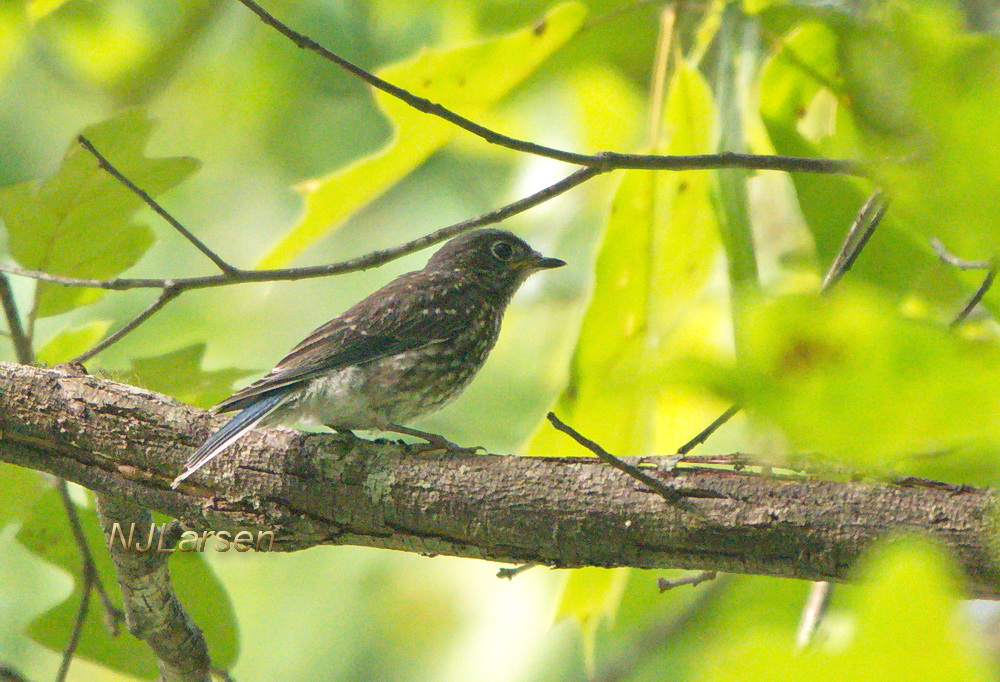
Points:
(335, 489)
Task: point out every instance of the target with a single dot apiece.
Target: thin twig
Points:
(658, 82)
(813, 612)
(81, 616)
(949, 258)
(604, 160)
(638, 650)
(990, 266)
(113, 616)
(671, 496)
(513, 572)
(20, 339)
(976, 297)
(152, 203)
(857, 237)
(366, 262)
(168, 294)
(664, 584)
(719, 421)
(90, 581)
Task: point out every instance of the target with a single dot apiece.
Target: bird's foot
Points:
(434, 442)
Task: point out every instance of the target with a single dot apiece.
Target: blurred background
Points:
(264, 118)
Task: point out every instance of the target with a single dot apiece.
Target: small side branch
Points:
(153, 204)
(693, 579)
(857, 237)
(18, 336)
(152, 610)
(371, 260)
(813, 612)
(671, 496)
(990, 266)
(168, 294)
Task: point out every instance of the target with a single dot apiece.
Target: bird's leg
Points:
(434, 441)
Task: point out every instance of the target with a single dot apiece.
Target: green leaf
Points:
(78, 222)
(19, 485)
(848, 376)
(908, 625)
(39, 9)
(470, 80)
(925, 95)
(46, 533)
(808, 112)
(179, 374)
(68, 343)
(590, 596)
(657, 253)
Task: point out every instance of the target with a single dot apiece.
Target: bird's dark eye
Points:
(502, 250)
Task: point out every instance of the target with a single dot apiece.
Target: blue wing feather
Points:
(231, 431)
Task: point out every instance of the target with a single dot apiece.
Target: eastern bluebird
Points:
(401, 353)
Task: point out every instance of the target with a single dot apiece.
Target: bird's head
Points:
(495, 258)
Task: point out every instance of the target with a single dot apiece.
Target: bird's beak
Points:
(540, 262)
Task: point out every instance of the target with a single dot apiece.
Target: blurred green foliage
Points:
(640, 343)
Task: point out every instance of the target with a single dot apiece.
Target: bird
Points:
(401, 353)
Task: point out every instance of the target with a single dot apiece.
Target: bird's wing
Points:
(404, 315)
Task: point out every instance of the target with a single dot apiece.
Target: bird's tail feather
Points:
(229, 433)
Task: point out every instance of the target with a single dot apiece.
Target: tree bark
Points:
(335, 489)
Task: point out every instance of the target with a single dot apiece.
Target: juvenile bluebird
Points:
(401, 353)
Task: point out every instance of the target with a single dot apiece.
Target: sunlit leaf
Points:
(46, 533)
(69, 343)
(590, 596)
(658, 249)
(848, 376)
(20, 486)
(79, 222)
(925, 93)
(808, 112)
(907, 626)
(179, 374)
(39, 9)
(470, 80)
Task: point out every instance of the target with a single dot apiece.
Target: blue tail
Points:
(229, 433)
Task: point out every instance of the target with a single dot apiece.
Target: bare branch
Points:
(948, 257)
(693, 579)
(604, 161)
(857, 237)
(366, 262)
(168, 294)
(81, 615)
(153, 204)
(152, 610)
(18, 336)
(671, 496)
(976, 297)
(813, 612)
(312, 489)
(112, 614)
(705, 433)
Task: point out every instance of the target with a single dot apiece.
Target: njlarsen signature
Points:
(190, 541)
